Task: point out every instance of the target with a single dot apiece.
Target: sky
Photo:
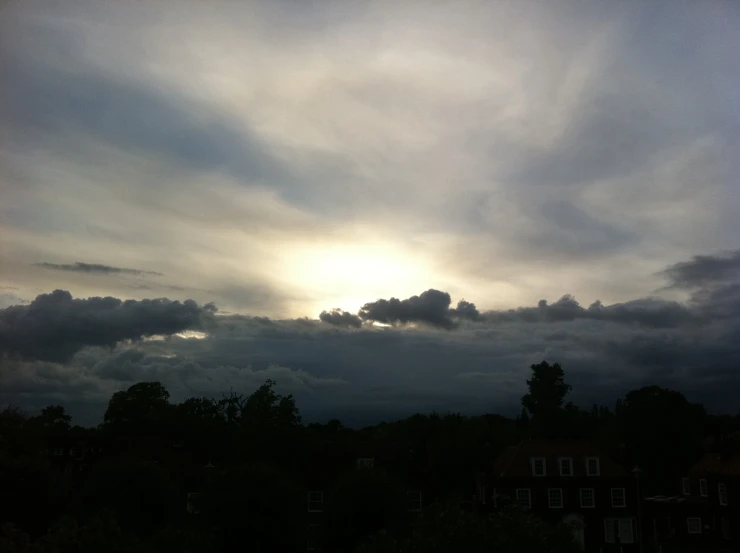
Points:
(384, 207)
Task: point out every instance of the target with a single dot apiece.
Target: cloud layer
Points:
(430, 172)
(341, 365)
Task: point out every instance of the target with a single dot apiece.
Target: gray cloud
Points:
(95, 268)
(337, 317)
(704, 270)
(54, 327)
(431, 307)
(648, 312)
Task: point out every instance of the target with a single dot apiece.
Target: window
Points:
(74, 452)
(703, 488)
(618, 497)
(193, 503)
(524, 497)
(315, 502)
(592, 466)
(588, 501)
(495, 498)
(726, 528)
(621, 528)
(626, 533)
(609, 533)
(177, 442)
(722, 488)
(365, 463)
(413, 499)
(555, 498)
(686, 486)
(538, 466)
(58, 451)
(566, 466)
(694, 525)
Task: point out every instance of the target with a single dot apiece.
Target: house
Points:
(573, 482)
(704, 513)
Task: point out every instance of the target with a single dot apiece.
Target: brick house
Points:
(573, 482)
(703, 515)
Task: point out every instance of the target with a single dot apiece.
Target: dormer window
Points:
(593, 467)
(566, 466)
(686, 486)
(365, 463)
(538, 466)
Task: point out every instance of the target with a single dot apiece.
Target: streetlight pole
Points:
(637, 471)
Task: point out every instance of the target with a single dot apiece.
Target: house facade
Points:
(703, 514)
(573, 482)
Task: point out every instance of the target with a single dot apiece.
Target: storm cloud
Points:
(54, 326)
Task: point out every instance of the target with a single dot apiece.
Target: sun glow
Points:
(348, 276)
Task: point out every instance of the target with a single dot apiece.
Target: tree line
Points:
(259, 446)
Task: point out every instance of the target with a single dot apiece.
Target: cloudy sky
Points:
(279, 171)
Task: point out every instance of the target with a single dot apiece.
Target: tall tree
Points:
(143, 407)
(547, 391)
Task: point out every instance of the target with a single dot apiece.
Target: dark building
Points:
(573, 482)
(703, 515)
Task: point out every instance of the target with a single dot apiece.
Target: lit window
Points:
(555, 498)
(686, 485)
(694, 525)
(538, 466)
(722, 488)
(588, 499)
(524, 497)
(592, 466)
(703, 488)
(366, 463)
(315, 502)
(566, 466)
(414, 501)
(618, 497)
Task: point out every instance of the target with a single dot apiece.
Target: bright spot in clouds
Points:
(347, 275)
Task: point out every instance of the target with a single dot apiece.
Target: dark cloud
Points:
(647, 312)
(431, 307)
(466, 310)
(337, 317)
(95, 268)
(704, 270)
(55, 326)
